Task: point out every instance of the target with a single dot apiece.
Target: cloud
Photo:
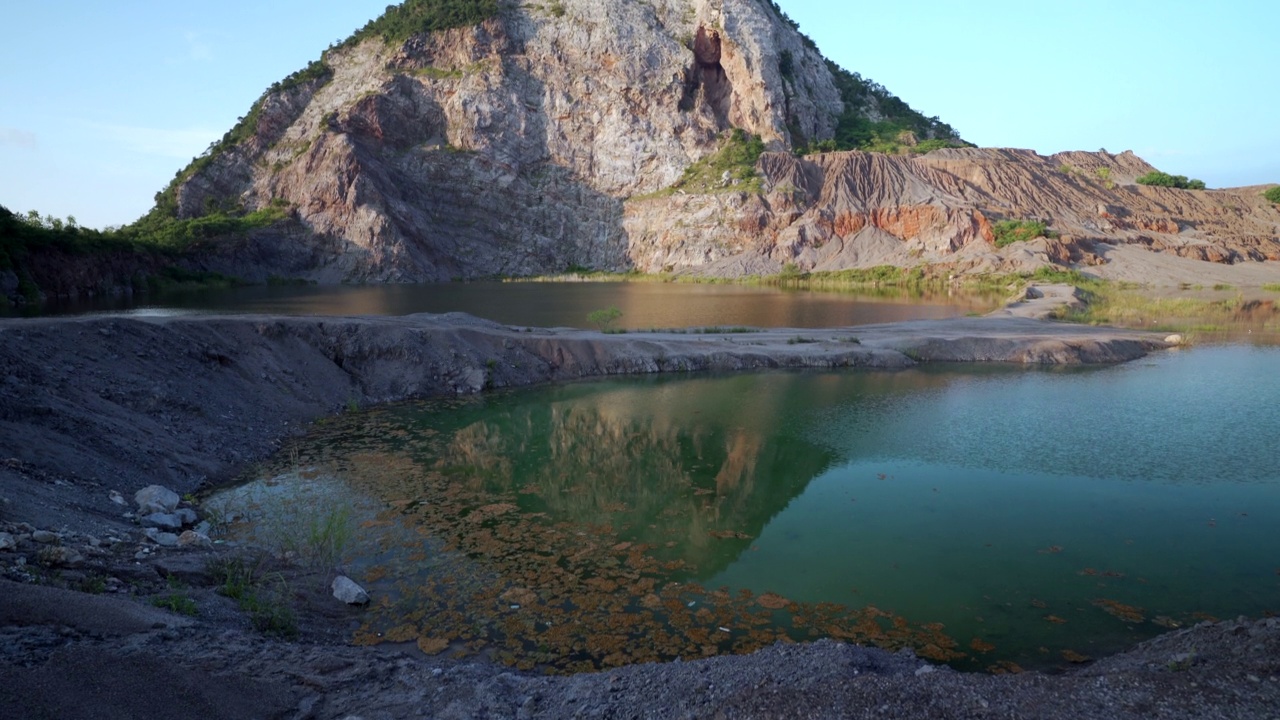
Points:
(179, 144)
(18, 138)
(197, 48)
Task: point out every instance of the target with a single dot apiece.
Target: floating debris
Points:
(773, 601)
(1117, 609)
(1072, 656)
(981, 646)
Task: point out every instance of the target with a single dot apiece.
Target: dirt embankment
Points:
(836, 211)
(91, 405)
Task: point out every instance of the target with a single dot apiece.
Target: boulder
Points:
(346, 590)
(163, 539)
(59, 556)
(156, 499)
(46, 537)
(163, 521)
(189, 568)
(187, 516)
(192, 538)
(7, 541)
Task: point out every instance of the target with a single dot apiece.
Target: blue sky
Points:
(104, 102)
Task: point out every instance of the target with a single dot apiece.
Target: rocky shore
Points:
(94, 409)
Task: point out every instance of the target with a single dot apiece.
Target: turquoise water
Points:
(1038, 515)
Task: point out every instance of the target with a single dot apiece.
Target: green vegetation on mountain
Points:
(1008, 232)
(854, 129)
(397, 24)
(732, 167)
(1163, 179)
(1273, 195)
(403, 21)
(154, 235)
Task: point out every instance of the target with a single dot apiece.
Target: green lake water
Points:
(984, 515)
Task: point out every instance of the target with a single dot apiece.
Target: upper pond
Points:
(644, 305)
(992, 517)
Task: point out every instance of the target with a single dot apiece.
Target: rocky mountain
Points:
(658, 135)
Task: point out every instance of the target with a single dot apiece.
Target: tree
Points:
(604, 319)
(1163, 179)
(1273, 195)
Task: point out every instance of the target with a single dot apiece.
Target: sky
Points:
(102, 103)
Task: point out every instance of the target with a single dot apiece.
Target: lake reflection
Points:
(989, 516)
(644, 304)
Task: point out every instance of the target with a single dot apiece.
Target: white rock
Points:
(1175, 340)
(156, 499)
(116, 498)
(346, 590)
(7, 541)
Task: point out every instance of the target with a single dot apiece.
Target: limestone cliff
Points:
(551, 135)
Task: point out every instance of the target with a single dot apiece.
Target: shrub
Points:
(605, 318)
(1273, 195)
(1163, 179)
(1007, 232)
(264, 596)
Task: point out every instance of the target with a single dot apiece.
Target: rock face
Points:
(510, 147)
(544, 137)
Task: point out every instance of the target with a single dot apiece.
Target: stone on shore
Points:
(163, 521)
(163, 539)
(59, 556)
(346, 590)
(156, 499)
(193, 538)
